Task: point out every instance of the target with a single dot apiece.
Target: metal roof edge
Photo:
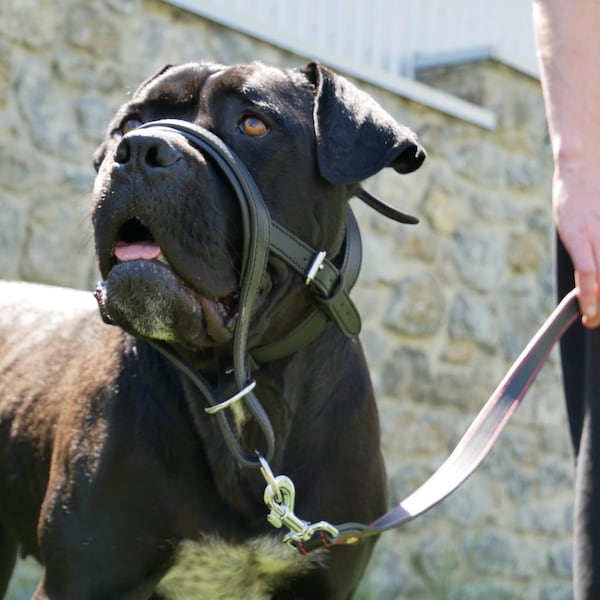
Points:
(476, 54)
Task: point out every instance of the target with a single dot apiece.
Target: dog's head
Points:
(167, 221)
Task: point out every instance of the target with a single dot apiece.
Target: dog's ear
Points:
(356, 137)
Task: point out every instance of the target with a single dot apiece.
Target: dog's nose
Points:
(147, 153)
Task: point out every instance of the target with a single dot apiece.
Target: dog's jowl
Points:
(219, 288)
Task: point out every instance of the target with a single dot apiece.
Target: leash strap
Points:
(476, 442)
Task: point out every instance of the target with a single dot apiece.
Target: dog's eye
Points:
(129, 125)
(253, 126)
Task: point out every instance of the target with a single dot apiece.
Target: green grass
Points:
(24, 580)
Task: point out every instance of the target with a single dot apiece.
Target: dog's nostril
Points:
(123, 152)
(156, 158)
(146, 152)
(158, 153)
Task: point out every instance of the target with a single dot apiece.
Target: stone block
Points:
(59, 248)
(91, 28)
(417, 307)
(480, 257)
(406, 375)
(13, 225)
(472, 319)
(561, 559)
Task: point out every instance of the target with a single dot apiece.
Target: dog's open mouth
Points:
(135, 246)
(136, 242)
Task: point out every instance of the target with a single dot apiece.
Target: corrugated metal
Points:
(390, 35)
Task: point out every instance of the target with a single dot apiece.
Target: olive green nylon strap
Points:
(330, 284)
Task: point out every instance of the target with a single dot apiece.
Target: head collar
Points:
(329, 284)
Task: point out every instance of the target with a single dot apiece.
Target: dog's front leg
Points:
(107, 559)
(100, 539)
(8, 555)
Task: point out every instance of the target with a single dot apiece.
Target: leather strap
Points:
(328, 283)
(330, 286)
(475, 444)
(385, 209)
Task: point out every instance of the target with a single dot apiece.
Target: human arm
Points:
(568, 43)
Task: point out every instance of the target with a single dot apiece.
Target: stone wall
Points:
(446, 304)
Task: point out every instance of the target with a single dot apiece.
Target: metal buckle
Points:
(315, 266)
(211, 410)
(280, 496)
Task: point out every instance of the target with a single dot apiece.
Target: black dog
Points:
(111, 474)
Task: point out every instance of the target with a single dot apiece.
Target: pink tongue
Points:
(137, 251)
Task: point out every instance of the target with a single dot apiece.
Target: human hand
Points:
(576, 204)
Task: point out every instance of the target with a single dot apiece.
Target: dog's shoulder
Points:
(48, 334)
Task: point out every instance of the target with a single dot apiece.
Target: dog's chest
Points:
(214, 569)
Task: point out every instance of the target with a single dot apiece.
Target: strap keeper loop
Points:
(211, 410)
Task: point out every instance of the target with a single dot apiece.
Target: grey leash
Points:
(466, 457)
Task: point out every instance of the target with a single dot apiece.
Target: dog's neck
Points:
(283, 402)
